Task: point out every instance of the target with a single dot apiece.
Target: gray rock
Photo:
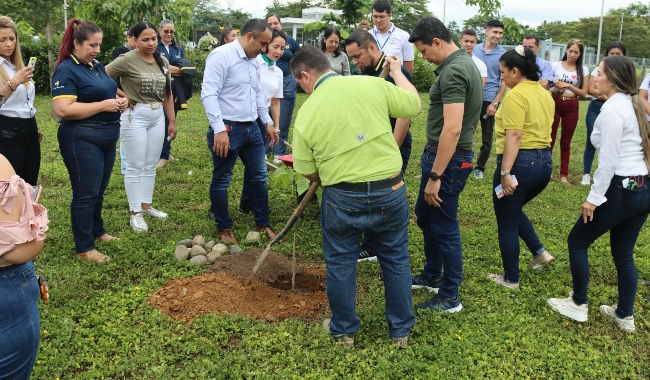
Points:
(197, 250)
(185, 242)
(199, 260)
(253, 236)
(235, 249)
(181, 253)
(209, 245)
(213, 256)
(198, 240)
(221, 248)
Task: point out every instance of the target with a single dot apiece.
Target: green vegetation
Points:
(97, 324)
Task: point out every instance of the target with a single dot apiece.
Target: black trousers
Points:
(19, 143)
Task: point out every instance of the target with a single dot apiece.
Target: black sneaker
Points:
(441, 303)
(421, 282)
(367, 255)
(245, 210)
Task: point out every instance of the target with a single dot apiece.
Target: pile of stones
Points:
(200, 252)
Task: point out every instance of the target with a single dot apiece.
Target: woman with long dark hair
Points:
(84, 96)
(615, 48)
(228, 34)
(571, 80)
(19, 134)
(146, 80)
(523, 138)
(329, 45)
(619, 199)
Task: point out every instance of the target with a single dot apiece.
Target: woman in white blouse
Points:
(619, 200)
(19, 134)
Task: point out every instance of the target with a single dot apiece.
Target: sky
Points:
(532, 13)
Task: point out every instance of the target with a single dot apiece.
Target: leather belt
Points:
(433, 149)
(370, 185)
(152, 105)
(565, 98)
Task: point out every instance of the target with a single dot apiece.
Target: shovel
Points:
(294, 217)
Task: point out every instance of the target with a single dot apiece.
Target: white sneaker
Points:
(625, 324)
(568, 308)
(276, 159)
(138, 224)
(155, 213)
(541, 260)
(478, 174)
(586, 180)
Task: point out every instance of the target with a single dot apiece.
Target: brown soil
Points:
(269, 297)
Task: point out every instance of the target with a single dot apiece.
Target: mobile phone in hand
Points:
(32, 62)
(36, 194)
(499, 189)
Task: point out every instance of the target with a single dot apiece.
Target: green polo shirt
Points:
(343, 132)
(457, 81)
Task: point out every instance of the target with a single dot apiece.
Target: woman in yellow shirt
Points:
(523, 140)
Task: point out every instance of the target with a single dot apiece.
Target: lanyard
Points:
(381, 47)
(321, 80)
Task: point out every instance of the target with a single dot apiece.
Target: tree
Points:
(513, 32)
(352, 11)
(455, 30)
(407, 13)
(290, 9)
(486, 8)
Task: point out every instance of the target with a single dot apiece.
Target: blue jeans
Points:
(590, 151)
(247, 198)
(245, 143)
(533, 168)
(345, 216)
(20, 323)
(623, 215)
(439, 225)
(286, 113)
(88, 150)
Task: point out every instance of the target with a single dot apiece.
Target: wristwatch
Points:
(504, 172)
(435, 176)
(496, 105)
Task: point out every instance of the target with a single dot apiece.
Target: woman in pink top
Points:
(571, 80)
(22, 231)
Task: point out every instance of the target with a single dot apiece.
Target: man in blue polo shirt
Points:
(531, 41)
(168, 48)
(489, 52)
(233, 100)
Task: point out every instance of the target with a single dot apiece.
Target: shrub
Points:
(42, 70)
(197, 57)
(423, 75)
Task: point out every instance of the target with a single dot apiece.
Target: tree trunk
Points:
(50, 53)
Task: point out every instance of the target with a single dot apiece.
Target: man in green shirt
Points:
(456, 98)
(342, 137)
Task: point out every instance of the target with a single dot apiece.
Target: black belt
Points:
(10, 267)
(370, 185)
(433, 149)
(231, 122)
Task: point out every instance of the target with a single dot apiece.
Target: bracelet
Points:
(9, 84)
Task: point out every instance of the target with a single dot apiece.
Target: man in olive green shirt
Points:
(456, 99)
(342, 137)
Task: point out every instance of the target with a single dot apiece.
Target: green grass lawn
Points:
(97, 325)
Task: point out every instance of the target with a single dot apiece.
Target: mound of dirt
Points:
(269, 296)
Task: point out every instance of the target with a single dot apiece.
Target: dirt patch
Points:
(269, 296)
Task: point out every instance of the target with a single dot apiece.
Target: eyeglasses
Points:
(169, 31)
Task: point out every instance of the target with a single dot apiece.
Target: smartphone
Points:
(499, 189)
(32, 62)
(36, 194)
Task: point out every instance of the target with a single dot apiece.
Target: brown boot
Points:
(228, 237)
(270, 234)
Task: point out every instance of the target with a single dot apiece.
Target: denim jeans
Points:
(439, 225)
(623, 215)
(487, 136)
(245, 143)
(590, 151)
(566, 111)
(345, 216)
(20, 322)
(533, 168)
(142, 137)
(286, 113)
(19, 144)
(88, 151)
(247, 198)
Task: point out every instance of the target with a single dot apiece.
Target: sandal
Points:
(94, 255)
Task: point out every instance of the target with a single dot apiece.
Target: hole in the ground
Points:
(304, 282)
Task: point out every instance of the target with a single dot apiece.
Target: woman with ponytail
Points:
(20, 141)
(523, 140)
(146, 80)
(619, 199)
(85, 97)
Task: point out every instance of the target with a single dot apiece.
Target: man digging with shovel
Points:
(341, 125)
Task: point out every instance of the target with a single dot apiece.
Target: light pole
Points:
(620, 32)
(65, 12)
(600, 29)
(444, 10)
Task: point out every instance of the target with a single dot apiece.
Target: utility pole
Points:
(620, 32)
(600, 29)
(65, 13)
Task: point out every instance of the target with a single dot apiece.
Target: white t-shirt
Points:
(270, 80)
(561, 75)
(395, 41)
(21, 102)
(482, 69)
(617, 137)
(645, 85)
